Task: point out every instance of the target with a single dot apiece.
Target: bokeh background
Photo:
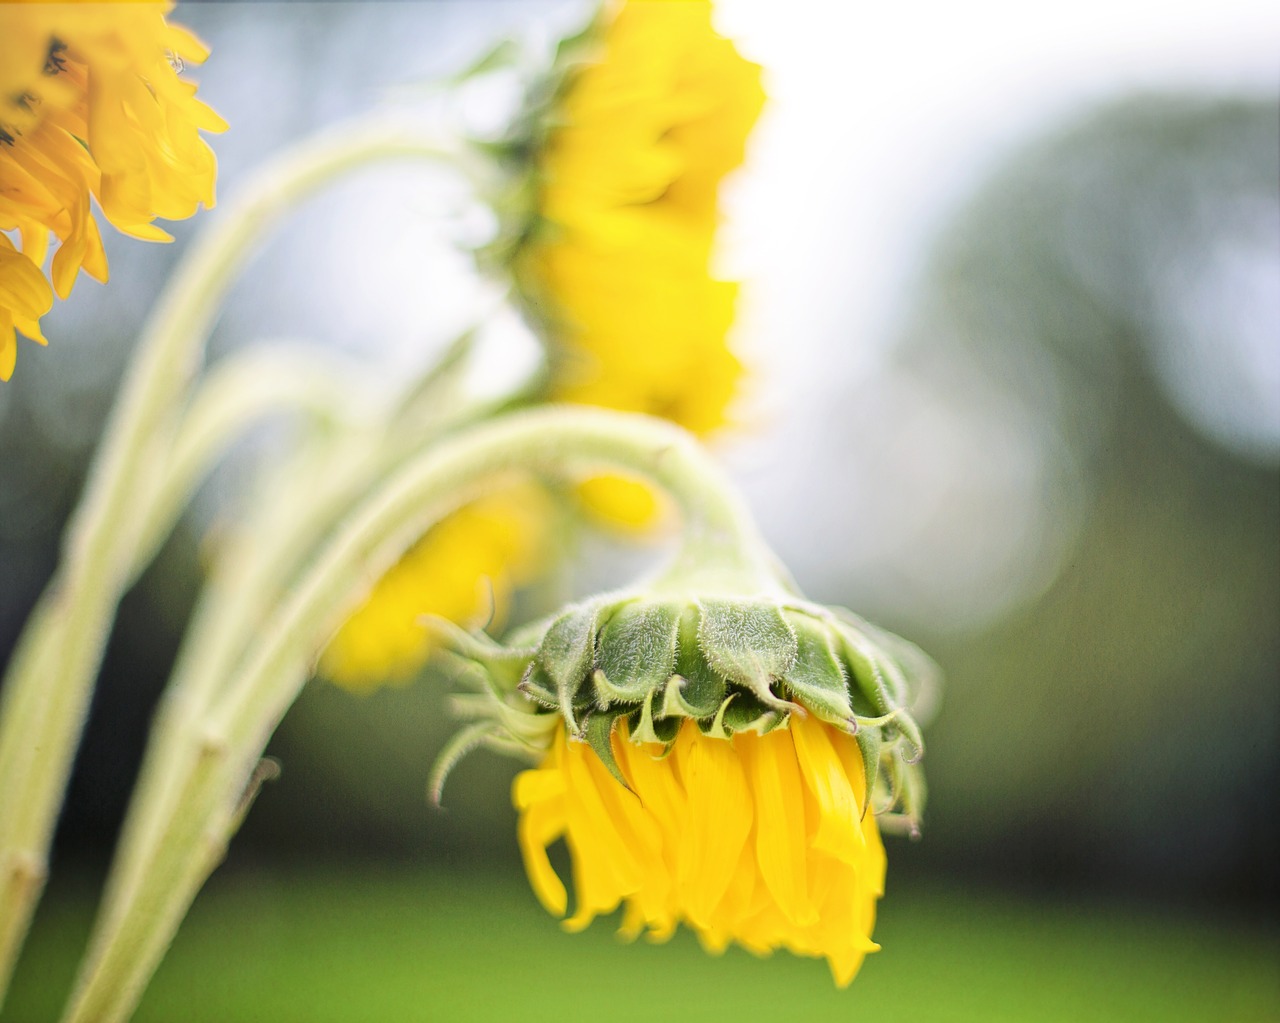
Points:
(1012, 302)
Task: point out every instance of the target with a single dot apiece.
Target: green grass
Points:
(360, 947)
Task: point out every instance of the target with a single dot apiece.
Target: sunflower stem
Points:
(50, 679)
(180, 828)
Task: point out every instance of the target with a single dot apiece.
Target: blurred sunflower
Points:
(653, 110)
(91, 104)
(465, 569)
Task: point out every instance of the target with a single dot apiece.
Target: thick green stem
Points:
(47, 690)
(212, 764)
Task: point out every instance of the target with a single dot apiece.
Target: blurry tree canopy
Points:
(1123, 727)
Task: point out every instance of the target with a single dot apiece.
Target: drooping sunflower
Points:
(652, 112)
(92, 105)
(725, 762)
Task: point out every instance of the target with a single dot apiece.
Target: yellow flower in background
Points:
(763, 840)
(465, 569)
(618, 266)
(25, 296)
(91, 105)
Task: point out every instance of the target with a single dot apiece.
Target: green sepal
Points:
(749, 643)
(882, 683)
(741, 712)
(642, 728)
(695, 691)
(504, 666)
(666, 730)
(637, 652)
(598, 732)
(817, 679)
(506, 53)
(462, 743)
(715, 728)
(869, 746)
(567, 654)
(538, 687)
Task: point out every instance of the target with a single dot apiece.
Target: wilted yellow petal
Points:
(727, 816)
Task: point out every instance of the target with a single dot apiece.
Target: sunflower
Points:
(761, 840)
(652, 113)
(725, 762)
(91, 105)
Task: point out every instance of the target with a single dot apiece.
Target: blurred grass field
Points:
(401, 947)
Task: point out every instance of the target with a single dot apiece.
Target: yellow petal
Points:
(718, 819)
(780, 824)
(839, 830)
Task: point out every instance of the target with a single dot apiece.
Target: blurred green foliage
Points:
(1121, 729)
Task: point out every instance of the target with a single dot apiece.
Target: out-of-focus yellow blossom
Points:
(764, 840)
(25, 296)
(91, 104)
(618, 264)
(464, 569)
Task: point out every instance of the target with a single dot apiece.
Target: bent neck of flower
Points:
(720, 549)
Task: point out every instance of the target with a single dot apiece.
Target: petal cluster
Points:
(92, 106)
(618, 268)
(764, 840)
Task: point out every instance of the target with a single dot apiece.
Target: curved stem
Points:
(211, 767)
(292, 509)
(249, 386)
(47, 690)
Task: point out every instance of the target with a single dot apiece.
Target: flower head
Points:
(649, 112)
(619, 259)
(725, 762)
(91, 105)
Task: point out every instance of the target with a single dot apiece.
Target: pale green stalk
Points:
(252, 384)
(183, 832)
(296, 504)
(50, 680)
